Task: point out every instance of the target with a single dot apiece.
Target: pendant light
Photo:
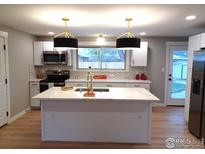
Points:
(65, 40)
(128, 40)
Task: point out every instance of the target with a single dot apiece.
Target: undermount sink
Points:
(95, 89)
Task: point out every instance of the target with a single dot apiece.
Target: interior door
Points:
(3, 90)
(178, 60)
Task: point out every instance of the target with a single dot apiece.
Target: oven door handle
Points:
(43, 84)
(59, 83)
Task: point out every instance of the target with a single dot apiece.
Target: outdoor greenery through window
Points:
(101, 58)
(179, 69)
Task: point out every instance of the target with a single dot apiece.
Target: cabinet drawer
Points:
(34, 90)
(75, 84)
(35, 103)
(108, 84)
(146, 86)
(35, 84)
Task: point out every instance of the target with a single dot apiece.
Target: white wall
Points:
(20, 52)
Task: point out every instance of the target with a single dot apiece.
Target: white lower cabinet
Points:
(34, 90)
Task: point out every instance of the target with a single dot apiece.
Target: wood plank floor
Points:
(25, 132)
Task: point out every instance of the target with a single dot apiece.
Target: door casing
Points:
(169, 45)
(4, 35)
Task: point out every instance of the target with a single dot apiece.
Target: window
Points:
(179, 73)
(89, 57)
(101, 58)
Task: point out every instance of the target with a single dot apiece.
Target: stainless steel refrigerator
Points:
(196, 122)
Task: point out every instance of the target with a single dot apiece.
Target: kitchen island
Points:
(113, 115)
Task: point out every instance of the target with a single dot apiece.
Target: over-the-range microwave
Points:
(55, 57)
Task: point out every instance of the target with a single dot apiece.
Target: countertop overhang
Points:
(130, 94)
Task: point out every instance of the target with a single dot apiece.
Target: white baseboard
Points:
(18, 115)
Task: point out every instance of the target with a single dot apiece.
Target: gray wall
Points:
(156, 62)
(20, 52)
(20, 48)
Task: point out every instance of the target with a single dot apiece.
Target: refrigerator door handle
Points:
(196, 86)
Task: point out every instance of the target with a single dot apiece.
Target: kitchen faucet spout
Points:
(90, 92)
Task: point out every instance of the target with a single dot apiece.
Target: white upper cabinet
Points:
(38, 50)
(48, 46)
(39, 47)
(202, 44)
(139, 55)
(194, 44)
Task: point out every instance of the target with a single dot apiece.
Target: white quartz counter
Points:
(56, 93)
(110, 80)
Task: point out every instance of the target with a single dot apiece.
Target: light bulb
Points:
(191, 17)
(100, 40)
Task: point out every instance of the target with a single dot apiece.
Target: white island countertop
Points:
(140, 94)
(35, 80)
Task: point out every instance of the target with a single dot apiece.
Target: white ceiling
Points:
(91, 20)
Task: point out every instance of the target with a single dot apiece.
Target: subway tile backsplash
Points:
(111, 75)
(82, 74)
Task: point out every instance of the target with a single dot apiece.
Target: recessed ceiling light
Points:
(50, 33)
(143, 33)
(190, 17)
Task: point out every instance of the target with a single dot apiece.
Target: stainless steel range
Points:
(54, 78)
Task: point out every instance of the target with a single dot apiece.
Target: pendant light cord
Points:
(129, 34)
(128, 24)
(66, 31)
